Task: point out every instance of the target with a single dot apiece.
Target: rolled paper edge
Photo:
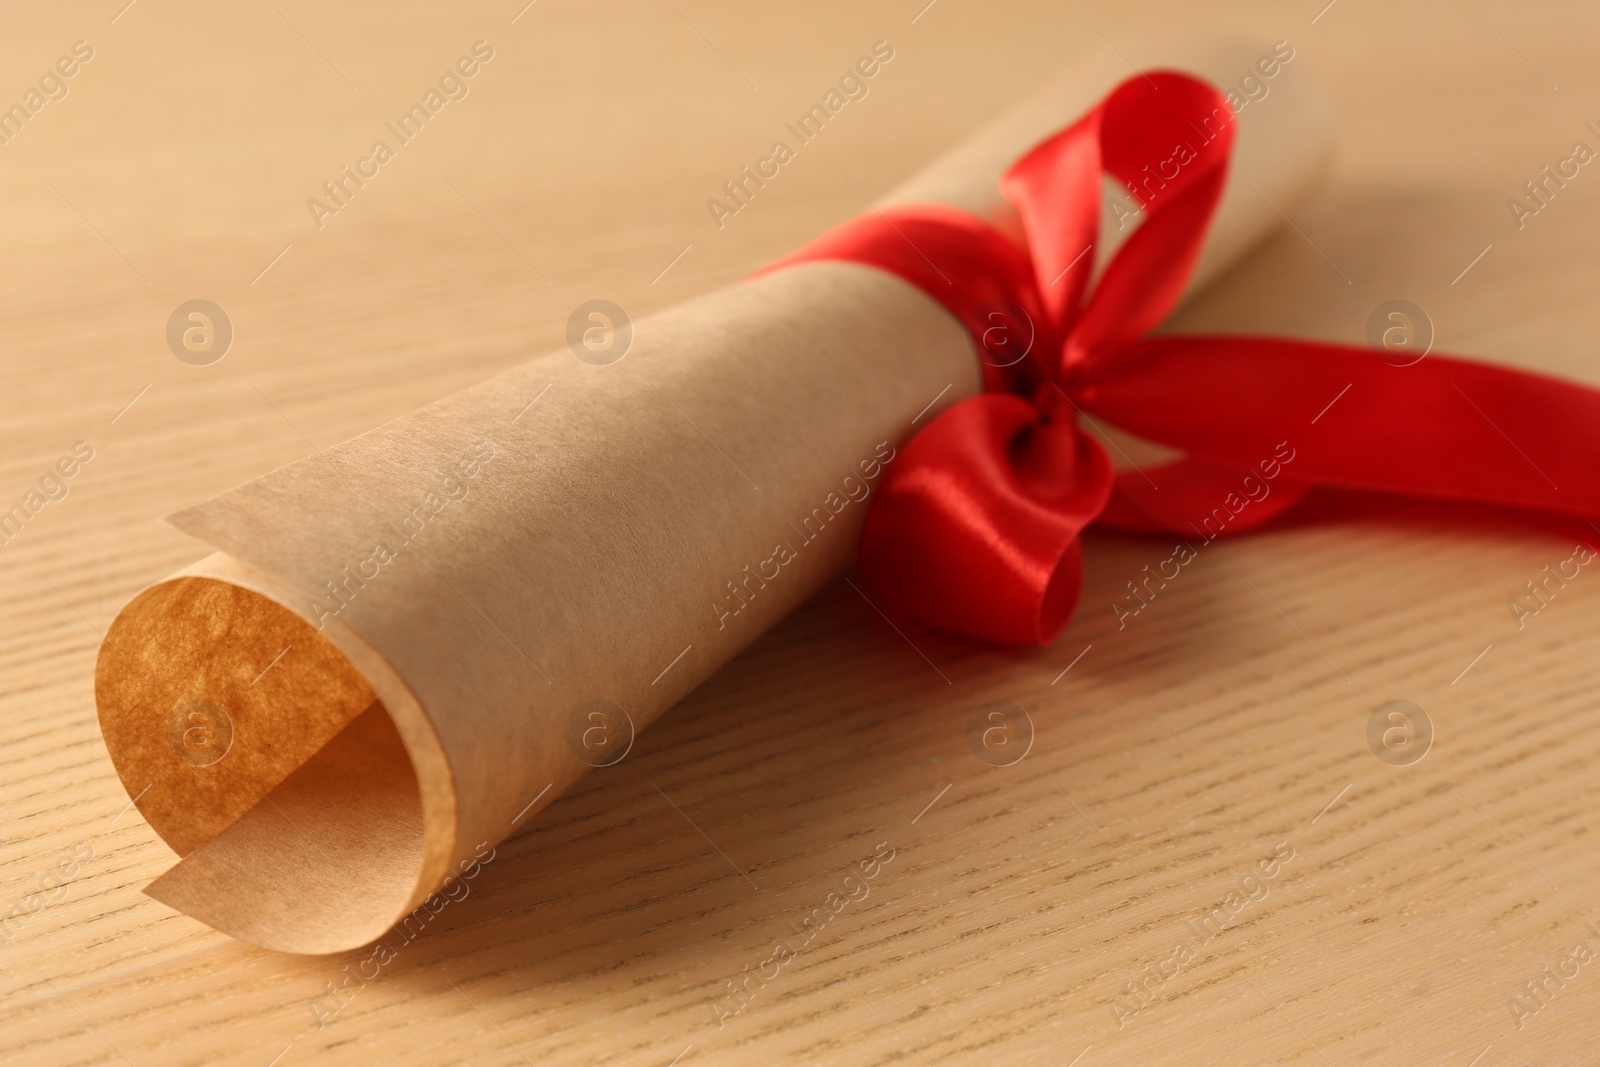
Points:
(337, 854)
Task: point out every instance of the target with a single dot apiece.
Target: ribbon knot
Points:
(975, 529)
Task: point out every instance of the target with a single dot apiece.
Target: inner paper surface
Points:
(403, 641)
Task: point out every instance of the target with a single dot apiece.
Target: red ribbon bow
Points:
(975, 526)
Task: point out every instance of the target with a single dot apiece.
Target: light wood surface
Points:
(1168, 758)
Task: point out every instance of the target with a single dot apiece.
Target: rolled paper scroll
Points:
(404, 646)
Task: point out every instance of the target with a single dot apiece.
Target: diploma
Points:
(404, 646)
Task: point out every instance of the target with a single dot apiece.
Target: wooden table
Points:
(1200, 859)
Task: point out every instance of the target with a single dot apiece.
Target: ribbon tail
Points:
(1443, 428)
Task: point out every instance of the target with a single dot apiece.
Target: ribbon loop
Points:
(975, 527)
(1166, 137)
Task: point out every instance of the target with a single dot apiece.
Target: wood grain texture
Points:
(1030, 912)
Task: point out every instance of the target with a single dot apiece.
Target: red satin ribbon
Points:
(975, 526)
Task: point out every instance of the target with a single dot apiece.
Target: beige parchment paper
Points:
(406, 645)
